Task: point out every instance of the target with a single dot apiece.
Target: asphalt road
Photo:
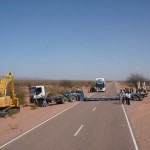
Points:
(98, 125)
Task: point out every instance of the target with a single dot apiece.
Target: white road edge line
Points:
(132, 135)
(36, 126)
(94, 109)
(78, 130)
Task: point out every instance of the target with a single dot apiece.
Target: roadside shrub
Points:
(134, 78)
(21, 95)
(12, 112)
(66, 83)
(33, 106)
(52, 87)
(53, 91)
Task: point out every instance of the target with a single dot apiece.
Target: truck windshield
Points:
(99, 81)
(101, 85)
(32, 89)
(35, 90)
(38, 91)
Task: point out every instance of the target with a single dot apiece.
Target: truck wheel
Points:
(72, 98)
(62, 101)
(58, 102)
(135, 98)
(141, 97)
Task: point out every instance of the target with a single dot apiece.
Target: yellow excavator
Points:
(7, 102)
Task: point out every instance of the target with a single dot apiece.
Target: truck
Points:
(37, 95)
(100, 85)
(8, 102)
(70, 96)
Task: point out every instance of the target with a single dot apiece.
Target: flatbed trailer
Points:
(134, 96)
(117, 97)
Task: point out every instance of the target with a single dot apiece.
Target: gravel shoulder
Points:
(139, 116)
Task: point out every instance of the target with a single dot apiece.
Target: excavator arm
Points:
(4, 83)
(11, 100)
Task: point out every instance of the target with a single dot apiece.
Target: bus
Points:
(100, 85)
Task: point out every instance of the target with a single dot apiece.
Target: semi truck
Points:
(37, 95)
(100, 85)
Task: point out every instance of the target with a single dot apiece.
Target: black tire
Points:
(72, 98)
(135, 98)
(141, 97)
(57, 102)
(32, 100)
(64, 100)
(91, 90)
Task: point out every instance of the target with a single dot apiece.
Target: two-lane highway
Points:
(88, 125)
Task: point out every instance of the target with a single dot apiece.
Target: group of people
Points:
(125, 95)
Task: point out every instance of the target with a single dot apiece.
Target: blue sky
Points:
(75, 39)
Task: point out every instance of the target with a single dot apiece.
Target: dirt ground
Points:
(139, 117)
(138, 113)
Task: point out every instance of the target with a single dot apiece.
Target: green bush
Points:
(21, 95)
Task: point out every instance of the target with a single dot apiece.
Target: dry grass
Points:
(14, 126)
(54, 87)
(33, 106)
(148, 86)
(12, 112)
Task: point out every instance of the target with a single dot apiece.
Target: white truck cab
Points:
(100, 84)
(36, 92)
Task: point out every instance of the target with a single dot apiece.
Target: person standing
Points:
(128, 98)
(121, 97)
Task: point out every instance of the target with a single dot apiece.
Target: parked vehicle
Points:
(100, 85)
(7, 102)
(138, 96)
(38, 95)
